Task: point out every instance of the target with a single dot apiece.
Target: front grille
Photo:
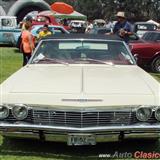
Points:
(82, 119)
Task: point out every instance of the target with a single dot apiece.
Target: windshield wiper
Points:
(50, 60)
(94, 60)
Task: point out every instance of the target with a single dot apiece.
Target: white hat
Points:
(120, 14)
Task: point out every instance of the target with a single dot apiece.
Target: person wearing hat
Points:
(122, 27)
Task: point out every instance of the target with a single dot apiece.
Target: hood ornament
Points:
(82, 100)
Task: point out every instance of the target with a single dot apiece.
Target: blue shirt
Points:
(126, 26)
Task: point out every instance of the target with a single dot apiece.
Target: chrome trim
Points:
(83, 39)
(113, 108)
(137, 127)
(81, 119)
(22, 106)
(81, 109)
(130, 108)
(30, 135)
(60, 134)
(6, 107)
(64, 137)
(158, 118)
(143, 107)
(82, 100)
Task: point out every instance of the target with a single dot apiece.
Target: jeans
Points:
(26, 57)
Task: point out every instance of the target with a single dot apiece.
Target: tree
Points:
(137, 10)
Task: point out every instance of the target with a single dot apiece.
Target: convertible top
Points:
(84, 36)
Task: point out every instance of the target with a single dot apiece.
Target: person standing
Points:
(27, 45)
(122, 27)
(89, 27)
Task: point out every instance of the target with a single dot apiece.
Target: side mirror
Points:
(133, 37)
(135, 57)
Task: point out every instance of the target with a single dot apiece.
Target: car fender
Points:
(154, 56)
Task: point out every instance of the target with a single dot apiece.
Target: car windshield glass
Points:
(148, 27)
(103, 31)
(82, 52)
(151, 36)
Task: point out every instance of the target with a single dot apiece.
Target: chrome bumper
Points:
(60, 134)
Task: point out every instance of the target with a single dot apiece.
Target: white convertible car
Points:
(80, 89)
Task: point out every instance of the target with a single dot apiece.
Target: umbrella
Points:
(62, 8)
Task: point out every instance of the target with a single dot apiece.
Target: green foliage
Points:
(136, 9)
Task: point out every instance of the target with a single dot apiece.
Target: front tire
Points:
(155, 65)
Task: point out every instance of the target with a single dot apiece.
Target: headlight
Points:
(157, 114)
(143, 113)
(20, 112)
(4, 112)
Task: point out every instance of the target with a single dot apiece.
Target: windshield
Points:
(151, 36)
(82, 52)
(146, 27)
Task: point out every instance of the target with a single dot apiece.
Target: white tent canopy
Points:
(154, 22)
(74, 15)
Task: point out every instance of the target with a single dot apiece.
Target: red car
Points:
(147, 50)
(47, 19)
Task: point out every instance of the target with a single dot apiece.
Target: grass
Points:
(156, 76)
(10, 61)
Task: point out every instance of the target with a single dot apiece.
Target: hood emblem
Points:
(82, 100)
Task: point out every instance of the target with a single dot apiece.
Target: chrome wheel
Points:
(156, 65)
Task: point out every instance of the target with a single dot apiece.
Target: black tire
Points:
(155, 65)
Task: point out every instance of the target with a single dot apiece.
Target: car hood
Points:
(89, 80)
(141, 43)
(122, 81)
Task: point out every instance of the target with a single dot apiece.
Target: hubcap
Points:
(157, 64)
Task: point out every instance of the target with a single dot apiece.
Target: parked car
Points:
(80, 89)
(141, 27)
(99, 22)
(9, 31)
(147, 50)
(151, 36)
(104, 30)
(77, 23)
(45, 18)
(77, 26)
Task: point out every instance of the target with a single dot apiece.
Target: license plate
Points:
(81, 139)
